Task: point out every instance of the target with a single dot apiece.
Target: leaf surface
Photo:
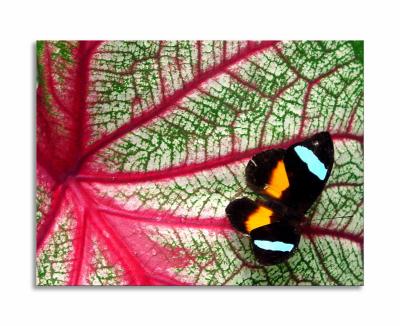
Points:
(141, 146)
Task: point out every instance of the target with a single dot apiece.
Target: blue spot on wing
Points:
(273, 245)
(313, 163)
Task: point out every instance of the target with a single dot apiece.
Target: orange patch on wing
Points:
(260, 217)
(278, 181)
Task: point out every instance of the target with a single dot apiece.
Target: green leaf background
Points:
(168, 130)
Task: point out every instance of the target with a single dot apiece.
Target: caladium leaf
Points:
(142, 145)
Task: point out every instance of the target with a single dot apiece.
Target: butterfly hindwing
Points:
(273, 234)
(274, 243)
(246, 214)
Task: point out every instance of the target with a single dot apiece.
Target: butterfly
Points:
(289, 181)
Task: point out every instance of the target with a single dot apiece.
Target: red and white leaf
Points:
(141, 145)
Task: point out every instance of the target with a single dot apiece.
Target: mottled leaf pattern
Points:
(141, 145)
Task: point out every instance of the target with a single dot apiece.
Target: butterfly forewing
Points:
(309, 166)
(265, 173)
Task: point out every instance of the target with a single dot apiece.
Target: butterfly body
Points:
(289, 181)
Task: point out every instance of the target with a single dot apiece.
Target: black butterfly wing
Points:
(273, 239)
(309, 165)
(265, 173)
(295, 177)
(274, 243)
(246, 214)
(292, 179)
